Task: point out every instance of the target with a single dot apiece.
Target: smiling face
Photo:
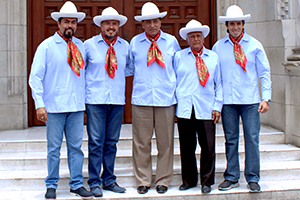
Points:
(195, 40)
(67, 26)
(235, 28)
(110, 28)
(152, 26)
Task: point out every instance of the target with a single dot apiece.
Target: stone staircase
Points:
(23, 168)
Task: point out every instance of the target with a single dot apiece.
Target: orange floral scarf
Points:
(154, 52)
(201, 68)
(239, 55)
(111, 58)
(74, 58)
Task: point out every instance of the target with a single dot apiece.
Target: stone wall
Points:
(291, 32)
(13, 64)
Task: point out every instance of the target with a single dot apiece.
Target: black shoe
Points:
(227, 185)
(253, 187)
(115, 188)
(185, 187)
(50, 194)
(82, 192)
(142, 189)
(206, 189)
(161, 189)
(97, 192)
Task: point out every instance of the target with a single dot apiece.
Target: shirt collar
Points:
(100, 39)
(245, 38)
(144, 37)
(205, 51)
(59, 39)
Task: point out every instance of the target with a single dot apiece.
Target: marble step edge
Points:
(39, 133)
(29, 137)
(125, 138)
(125, 172)
(270, 190)
(41, 146)
(128, 152)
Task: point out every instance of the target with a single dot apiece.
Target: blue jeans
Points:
(72, 124)
(251, 126)
(103, 126)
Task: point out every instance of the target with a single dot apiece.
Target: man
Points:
(57, 83)
(199, 103)
(107, 56)
(242, 62)
(153, 99)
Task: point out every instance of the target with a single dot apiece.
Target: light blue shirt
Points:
(241, 87)
(100, 88)
(190, 93)
(153, 85)
(54, 84)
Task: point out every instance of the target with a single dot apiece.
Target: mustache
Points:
(69, 29)
(111, 29)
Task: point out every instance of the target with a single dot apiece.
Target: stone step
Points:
(279, 190)
(34, 139)
(34, 179)
(37, 160)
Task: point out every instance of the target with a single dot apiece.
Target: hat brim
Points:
(184, 31)
(224, 19)
(79, 15)
(98, 19)
(153, 16)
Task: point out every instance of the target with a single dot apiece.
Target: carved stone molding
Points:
(283, 9)
(293, 61)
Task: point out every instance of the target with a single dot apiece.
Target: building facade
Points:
(275, 23)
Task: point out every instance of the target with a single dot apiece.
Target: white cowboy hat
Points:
(150, 11)
(234, 13)
(68, 10)
(193, 26)
(110, 14)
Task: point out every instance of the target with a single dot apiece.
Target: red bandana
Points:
(240, 57)
(201, 67)
(111, 58)
(154, 53)
(74, 56)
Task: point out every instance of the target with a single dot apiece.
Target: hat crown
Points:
(193, 24)
(68, 7)
(149, 8)
(110, 11)
(234, 11)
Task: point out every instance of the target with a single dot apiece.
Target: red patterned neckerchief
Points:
(201, 67)
(111, 59)
(239, 55)
(154, 53)
(74, 56)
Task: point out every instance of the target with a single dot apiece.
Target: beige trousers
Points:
(144, 119)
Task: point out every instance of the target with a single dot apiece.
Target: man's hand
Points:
(41, 114)
(216, 116)
(263, 107)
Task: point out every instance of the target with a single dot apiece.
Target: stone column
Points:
(13, 65)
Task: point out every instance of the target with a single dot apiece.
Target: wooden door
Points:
(179, 12)
(41, 26)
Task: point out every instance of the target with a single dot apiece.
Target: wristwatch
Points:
(268, 101)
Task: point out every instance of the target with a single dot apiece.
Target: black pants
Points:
(188, 130)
